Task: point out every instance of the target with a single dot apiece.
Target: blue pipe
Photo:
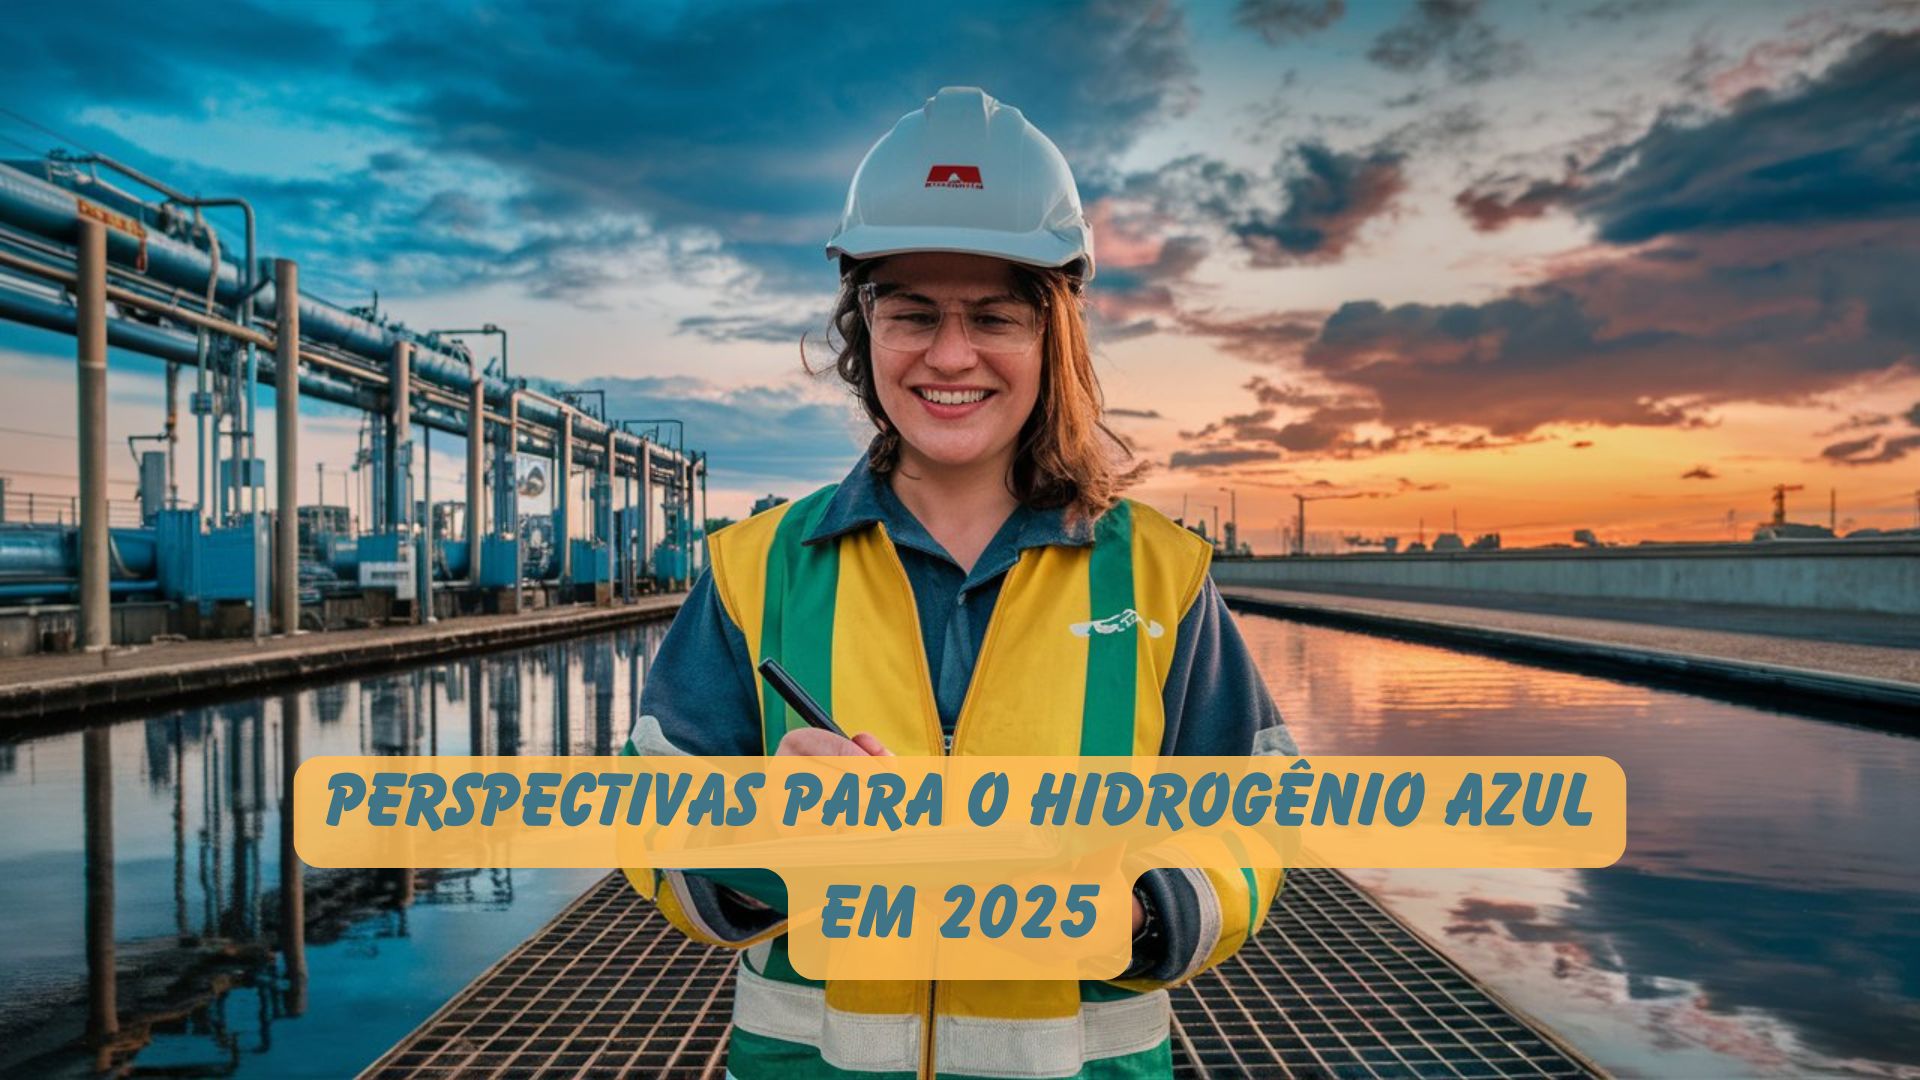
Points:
(41, 197)
(38, 552)
(58, 590)
(35, 552)
(25, 306)
(38, 197)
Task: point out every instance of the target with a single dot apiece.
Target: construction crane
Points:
(1780, 501)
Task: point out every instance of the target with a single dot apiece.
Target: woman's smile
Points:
(952, 402)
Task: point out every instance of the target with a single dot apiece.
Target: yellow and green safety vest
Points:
(839, 614)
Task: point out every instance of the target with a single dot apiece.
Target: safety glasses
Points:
(900, 319)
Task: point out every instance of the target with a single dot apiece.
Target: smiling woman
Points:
(938, 600)
(977, 376)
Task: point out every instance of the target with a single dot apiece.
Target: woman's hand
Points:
(812, 742)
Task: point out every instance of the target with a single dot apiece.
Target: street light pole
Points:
(1214, 509)
(1233, 519)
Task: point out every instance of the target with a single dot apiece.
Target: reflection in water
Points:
(153, 925)
(1765, 919)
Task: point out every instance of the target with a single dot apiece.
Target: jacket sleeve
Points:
(700, 699)
(1216, 704)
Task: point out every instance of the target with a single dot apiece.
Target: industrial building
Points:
(216, 547)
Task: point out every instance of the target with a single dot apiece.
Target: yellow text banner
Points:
(962, 867)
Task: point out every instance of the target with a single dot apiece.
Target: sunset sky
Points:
(1614, 264)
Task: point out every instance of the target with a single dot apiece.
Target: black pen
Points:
(796, 696)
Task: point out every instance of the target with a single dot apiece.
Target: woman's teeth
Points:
(952, 397)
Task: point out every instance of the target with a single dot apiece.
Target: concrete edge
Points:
(1790, 683)
(39, 701)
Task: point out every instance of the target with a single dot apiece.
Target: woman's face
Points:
(958, 394)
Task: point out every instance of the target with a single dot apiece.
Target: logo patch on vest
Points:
(1117, 623)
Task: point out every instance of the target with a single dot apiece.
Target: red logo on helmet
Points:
(959, 176)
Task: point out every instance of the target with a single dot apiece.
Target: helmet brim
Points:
(1051, 250)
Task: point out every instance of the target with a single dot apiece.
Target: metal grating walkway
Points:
(1332, 987)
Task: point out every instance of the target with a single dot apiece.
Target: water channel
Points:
(1765, 919)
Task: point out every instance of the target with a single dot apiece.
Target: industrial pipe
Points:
(33, 309)
(489, 328)
(64, 591)
(51, 200)
(321, 322)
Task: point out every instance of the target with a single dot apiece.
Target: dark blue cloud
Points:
(1279, 21)
(742, 120)
(751, 119)
(1328, 199)
(1309, 208)
(1451, 33)
(1842, 146)
(1641, 343)
(1780, 244)
(129, 51)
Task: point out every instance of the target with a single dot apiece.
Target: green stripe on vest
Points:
(807, 577)
(779, 966)
(1106, 720)
(1253, 901)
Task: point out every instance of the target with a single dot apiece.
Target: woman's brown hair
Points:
(1067, 456)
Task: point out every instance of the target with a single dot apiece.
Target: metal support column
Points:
(425, 531)
(512, 480)
(646, 505)
(563, 498)
(399, 433)
(700, 523)
(608, 515)
(476, 455)
(90, 331)
(379, 461)
(286, 414)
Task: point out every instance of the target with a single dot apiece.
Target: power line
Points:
(10, 471)
(23, 144)
(38, 434)
(45, 130)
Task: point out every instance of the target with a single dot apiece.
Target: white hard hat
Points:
(966, 173)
